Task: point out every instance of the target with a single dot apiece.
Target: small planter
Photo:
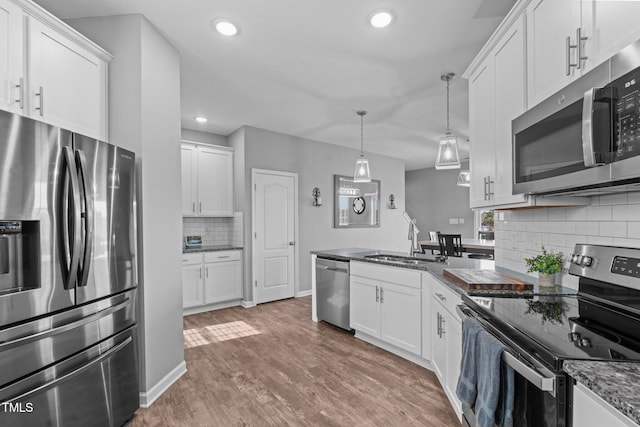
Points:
(546, 280)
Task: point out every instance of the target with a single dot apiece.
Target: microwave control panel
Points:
(627, 138)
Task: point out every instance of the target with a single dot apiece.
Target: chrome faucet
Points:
(413, 236)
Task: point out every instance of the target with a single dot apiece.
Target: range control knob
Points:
(585, 342)
(587, 261)
(575, 258)
(574, 336)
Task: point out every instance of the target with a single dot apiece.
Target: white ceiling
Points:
(304, 67)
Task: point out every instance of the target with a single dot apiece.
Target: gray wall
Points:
(316, 163)
(433, 197)
(144, 116)
(206, 137)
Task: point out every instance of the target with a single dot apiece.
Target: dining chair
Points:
(433, 236)
(450, 244)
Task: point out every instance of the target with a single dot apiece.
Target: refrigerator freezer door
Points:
(108, 177)
(32, 170)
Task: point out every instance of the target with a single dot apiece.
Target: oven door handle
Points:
(542, 382)
(534, 377)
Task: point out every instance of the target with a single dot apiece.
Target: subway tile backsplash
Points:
(608, 220)
(215, 231)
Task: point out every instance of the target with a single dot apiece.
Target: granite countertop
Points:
(210, 248)
(437, 268)
(618, 383)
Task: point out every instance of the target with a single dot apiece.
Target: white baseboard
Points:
(150, 396)
(248, 304)
(304, 293)
(210, 307)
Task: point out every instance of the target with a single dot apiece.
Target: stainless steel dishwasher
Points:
(332, 291)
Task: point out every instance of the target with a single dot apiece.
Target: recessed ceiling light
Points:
(225, 27)
(381, 18)
(201, 119)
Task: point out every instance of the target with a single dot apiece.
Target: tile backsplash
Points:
(215, 231)
(608, 220)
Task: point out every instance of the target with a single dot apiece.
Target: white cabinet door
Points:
(609, 26)
(549, 23)
(427, 280)
(215, 182)
(481, 125)
(223, 281)
(509, 102)
(192, 286)
(590, 410)
(12, 76)
(400, 317)
(67, 83)
(189, 164)
(452, 328)
(364, 306)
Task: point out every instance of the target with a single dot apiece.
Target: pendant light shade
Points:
(362, 173)
(448, 156)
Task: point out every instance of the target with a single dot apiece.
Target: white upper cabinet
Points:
(610, 26)
(65, 79)
(605, 27)
(496, 96)
(549, 23)
(207, 180)
(189, 167)
(12, 75)
(215, 182)
(67, 82)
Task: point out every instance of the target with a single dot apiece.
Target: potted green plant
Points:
(547, 265)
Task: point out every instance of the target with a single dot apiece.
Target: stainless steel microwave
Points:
(585, 139)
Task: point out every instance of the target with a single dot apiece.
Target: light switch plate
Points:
(453, 220)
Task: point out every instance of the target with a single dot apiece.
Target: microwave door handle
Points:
(88, 216)
(588, 151)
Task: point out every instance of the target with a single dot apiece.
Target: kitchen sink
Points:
(403, 260)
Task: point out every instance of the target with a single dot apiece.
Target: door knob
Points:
(292, 243)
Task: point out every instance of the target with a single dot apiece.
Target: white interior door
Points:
(274, 224)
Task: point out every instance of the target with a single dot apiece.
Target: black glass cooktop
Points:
(556, 328)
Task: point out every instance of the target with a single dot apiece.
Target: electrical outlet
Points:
(460, 220)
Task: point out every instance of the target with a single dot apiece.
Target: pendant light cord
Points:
(448, 131)
(361, 113)
(362, 135)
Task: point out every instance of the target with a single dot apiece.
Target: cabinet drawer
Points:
(401, 276)
(220, 256)
(191, 259)
(446, 296)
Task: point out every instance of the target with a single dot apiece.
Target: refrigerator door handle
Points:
(88, 216)
(53, 383)
(71, 249)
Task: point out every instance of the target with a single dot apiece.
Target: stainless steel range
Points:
(601, 322)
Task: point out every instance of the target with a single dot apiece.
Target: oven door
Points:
(540, 398)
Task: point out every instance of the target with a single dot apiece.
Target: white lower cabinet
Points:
(390, 312)
(191, 280)
(446, 338)
(590, 410)
(211, 280)
(222, 276)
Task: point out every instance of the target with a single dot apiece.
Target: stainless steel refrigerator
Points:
(68, 353)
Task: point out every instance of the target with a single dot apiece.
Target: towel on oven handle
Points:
(466, 390)
(494, 404)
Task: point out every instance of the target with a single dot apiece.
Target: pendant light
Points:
(448, 157)
(362, 173)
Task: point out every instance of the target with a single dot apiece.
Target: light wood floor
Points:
(292, 372)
